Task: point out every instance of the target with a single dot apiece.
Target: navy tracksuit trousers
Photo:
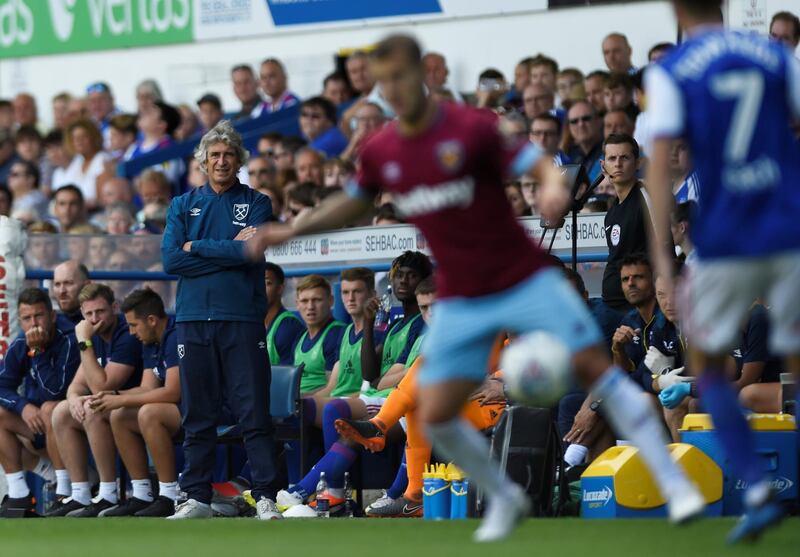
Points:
(224, 361)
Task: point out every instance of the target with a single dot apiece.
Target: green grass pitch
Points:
(382, 538)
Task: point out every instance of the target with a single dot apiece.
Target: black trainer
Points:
(160, 508)
(129, 508)
(93, 509)
(65, 506)
(18, 507)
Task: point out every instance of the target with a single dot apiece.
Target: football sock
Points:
(335, 409)
(417, 459)
(142, 490)
(17, 486)
(63, 486)
(396, 406)
(108, 491)
(632, 417)
(335, 463)
(81, 492)
(44, 469)
(575, 454)
(730, 426)
(417, 455)
(469, 450)
(168, 490)
(400, 481)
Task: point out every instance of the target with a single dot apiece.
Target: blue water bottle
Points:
(436, 494)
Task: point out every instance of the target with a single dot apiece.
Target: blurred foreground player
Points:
(733, 97)
(444, 165)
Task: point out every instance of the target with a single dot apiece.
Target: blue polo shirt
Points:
(162, 355)
(332, 142)
(753, 346)
(123, 348)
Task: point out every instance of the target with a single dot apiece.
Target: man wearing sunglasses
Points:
(318, 124)
(587, 137)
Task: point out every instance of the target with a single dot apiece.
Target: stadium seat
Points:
(286, 408)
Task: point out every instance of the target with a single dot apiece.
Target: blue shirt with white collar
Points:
(217, 282)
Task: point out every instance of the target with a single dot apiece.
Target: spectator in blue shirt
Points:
(318, 125)
(38, 366)
(111, 359)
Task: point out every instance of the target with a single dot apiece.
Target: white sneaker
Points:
(286, 500)
(382, 502)
(192, 508)
(505, 510)
(267, 510)
(685, 505)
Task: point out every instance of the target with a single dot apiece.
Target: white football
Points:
(537, 369)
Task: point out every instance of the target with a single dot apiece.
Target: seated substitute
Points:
(484, 409)
(147, 415)
(383, 367)
(111, 359)
(284, 328)
(38, 366)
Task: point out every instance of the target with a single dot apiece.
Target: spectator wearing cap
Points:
(85, 143)
(318, 125)
(209, 111)
(274, 85)
(122, 136)
(785, 27)
(157, 125)
(245, 87)
(617, 54)
(23, 180)
(659, 51)
(100, 103)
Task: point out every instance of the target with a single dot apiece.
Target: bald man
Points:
(68, 279)
(617, 53)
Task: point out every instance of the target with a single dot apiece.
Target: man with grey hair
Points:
(220, 306)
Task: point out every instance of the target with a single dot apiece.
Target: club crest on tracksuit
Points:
(240, 210)
(181, 351)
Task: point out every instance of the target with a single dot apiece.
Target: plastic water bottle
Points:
(48, 496)
(384, 312)
(323, 502)
(348, 496)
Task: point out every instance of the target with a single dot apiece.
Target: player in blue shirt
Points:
(42, 360)
(284, 328)
(147, 414)
(110, 360)
(733, 97)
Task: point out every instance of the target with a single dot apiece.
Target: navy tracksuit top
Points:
(216, 281)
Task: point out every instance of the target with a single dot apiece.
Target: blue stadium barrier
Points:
(283, 122)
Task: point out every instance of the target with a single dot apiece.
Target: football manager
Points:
(221, 303)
